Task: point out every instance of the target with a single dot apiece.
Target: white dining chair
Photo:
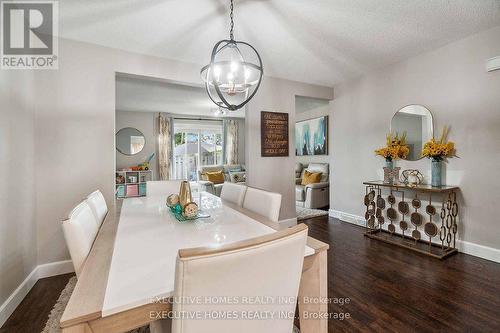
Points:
(262, 202)
(80, 230)
(267, 267)
(234, 193)
(98, 205)
(162, 187)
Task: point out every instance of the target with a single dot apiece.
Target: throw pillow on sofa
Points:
(216, 177)
(237, 177)
(310, 177)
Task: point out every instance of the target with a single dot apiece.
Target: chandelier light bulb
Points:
(234, 66)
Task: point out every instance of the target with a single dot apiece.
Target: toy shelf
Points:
(130, 184)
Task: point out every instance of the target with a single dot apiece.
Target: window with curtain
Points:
(196, 143)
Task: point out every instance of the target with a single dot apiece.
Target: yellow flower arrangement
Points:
(395, 148)
(439, 150)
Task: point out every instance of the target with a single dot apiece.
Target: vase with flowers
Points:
(396, 148)
(438, 151)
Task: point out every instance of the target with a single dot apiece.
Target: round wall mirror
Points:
(130, 141)
(416, 121)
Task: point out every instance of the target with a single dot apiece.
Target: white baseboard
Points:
(17, 296)
(288, 222)
(55, 268)
(40, 272)
(481, 251)
(347, 217)
(473, 249)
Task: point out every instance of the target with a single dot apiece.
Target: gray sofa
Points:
(312, 195)
(234, 173)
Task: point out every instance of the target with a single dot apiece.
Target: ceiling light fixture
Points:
(220, 112)
(235, 72)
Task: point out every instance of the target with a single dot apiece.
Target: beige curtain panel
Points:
(164, 147)
(231, 141)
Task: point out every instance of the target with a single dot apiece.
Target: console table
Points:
(429, 229)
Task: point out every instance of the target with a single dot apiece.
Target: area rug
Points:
(52, 324)
(307, 213)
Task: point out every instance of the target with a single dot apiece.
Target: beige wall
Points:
(311, 114)
(75, 130)
(276, 173)
(144, 122)
(75, 127)
(453, 84)
(17, 169)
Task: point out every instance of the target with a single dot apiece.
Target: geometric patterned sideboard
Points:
(421, 218)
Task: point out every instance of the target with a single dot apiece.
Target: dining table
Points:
(131, 266)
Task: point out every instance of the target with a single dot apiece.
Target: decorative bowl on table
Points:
(182, 205)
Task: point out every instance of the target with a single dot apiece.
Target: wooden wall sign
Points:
(274, 134)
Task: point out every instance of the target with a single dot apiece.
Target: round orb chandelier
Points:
(234, 73)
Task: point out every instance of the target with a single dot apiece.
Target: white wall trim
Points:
(40, 271)
(17, 296)
(478, 250)
(473, 249)
(288, 222)
(347, 217)
(54, 268)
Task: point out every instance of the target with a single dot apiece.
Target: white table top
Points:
(149, 237)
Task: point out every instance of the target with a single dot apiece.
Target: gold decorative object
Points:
(172, 200)
(392, 199)
(422, 217)
(190, 209)
(371, 195)
(392, 214)
(185, 194)
(403, 207)
(416, 203)
(380, 202)
(412, 177)
(416, 219)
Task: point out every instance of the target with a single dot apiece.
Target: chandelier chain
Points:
(231, 35)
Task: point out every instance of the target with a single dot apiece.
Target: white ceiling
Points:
(143, 95)
(322, 41)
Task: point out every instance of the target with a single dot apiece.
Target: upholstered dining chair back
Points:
(98, 206)
(234, 193)
(80, 230)
(262, 202)
(227, 279)
(162, 187)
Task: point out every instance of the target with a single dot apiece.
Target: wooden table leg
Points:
(80, 328)
(313, 294)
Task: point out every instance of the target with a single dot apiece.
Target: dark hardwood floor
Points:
(33, 312)
(396, 290)
(389, 289)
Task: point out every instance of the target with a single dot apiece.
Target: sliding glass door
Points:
(196, 143)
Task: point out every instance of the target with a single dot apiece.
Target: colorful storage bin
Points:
(142, 190)
(120, 191)
(132, 190)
